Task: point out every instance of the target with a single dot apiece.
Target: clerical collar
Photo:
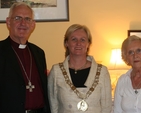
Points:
(16, 45)
(21, 46)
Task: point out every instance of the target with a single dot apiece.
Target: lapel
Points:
(92, 72)
(35, 55)
(10, 58)
(40, 61)
(38, 57)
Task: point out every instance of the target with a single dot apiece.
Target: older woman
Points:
(128, 90)
(79, 84)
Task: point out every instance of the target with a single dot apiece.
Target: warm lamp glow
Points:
(116, 67)
(116, 62)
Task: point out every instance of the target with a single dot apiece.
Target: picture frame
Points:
(134, 32)
(59, 13)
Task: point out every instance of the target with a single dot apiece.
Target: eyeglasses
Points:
(20, 19)
(131, 52)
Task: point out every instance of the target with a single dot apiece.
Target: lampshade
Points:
(116, 62)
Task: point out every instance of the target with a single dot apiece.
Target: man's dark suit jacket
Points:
(12, 85)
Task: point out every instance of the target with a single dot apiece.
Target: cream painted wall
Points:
(108, 21)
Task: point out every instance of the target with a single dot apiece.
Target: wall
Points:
(108, 21)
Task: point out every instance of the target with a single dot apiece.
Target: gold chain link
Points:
(92, 88)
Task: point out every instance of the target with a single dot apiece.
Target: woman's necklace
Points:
(82, 105)
(75, 70)
(30, 87)
(136, 87)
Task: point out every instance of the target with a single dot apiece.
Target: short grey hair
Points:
(125, 43)
(16, 4)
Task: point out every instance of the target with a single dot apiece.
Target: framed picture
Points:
(44, 10)
(134, 32)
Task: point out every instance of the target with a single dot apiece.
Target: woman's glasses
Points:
(133, 52)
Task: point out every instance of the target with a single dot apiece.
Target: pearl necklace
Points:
(30, 87)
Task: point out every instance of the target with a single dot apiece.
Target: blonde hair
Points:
(73, 28)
